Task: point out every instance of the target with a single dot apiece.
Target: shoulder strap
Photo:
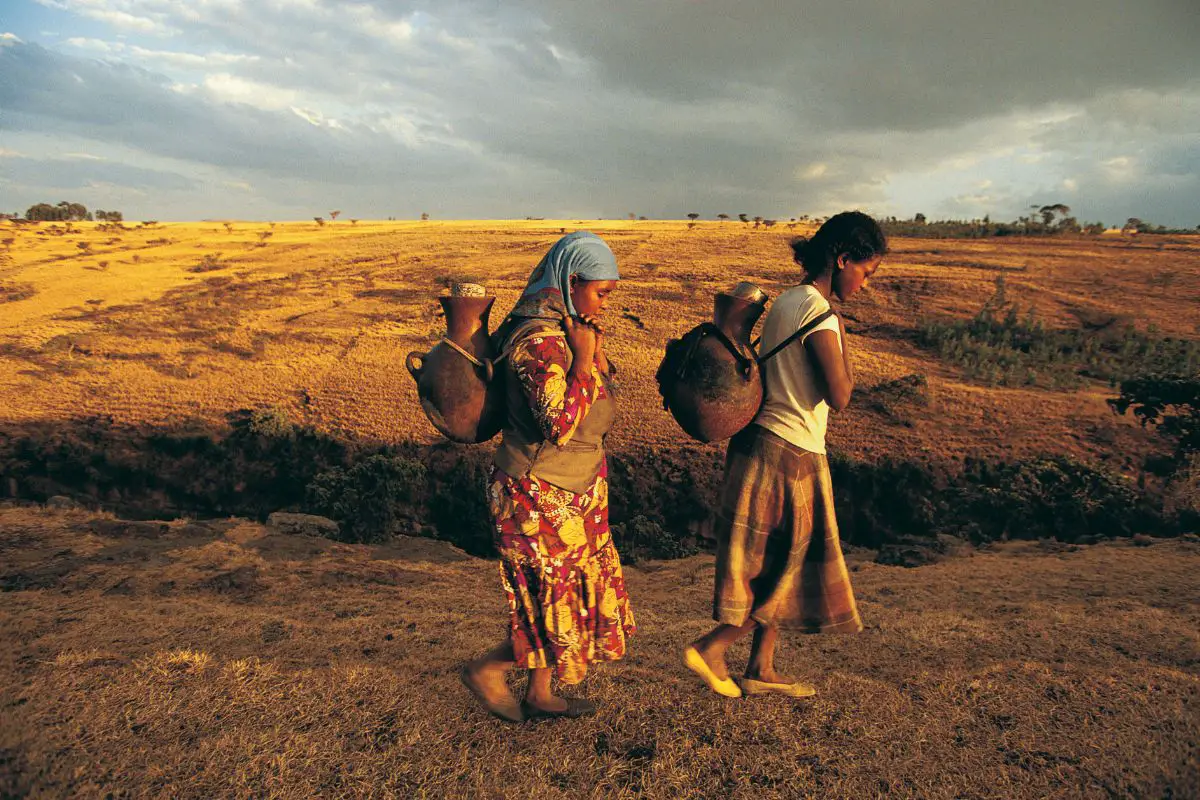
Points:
(805, 329)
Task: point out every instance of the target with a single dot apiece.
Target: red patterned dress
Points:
(560, 570)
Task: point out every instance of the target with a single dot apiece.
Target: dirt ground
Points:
(222, 659)
(157, 324)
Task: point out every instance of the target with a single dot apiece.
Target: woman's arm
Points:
(835, 375)
(559, 395)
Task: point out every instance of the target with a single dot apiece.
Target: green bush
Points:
(370, 497)
(458, 507)
(1056, 497)
(1001, 345)
(897, 398)
(641, 538)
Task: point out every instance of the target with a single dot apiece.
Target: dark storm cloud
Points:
(660, 108)
(888, 65)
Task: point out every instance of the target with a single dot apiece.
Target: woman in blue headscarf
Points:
(548, 493)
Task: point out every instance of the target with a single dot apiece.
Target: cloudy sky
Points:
(286, 109)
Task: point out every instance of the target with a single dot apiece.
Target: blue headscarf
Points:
(548, 293)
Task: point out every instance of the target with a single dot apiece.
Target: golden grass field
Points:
(221, 659)
(316, 320)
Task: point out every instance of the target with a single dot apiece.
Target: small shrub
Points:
(1001, 345)
(208, 263)
(12, 292)
(458, 507)
(1182, 494)
(370, 497)
(641, 538)
(272, 422)
(897, 398)
(1056, 497)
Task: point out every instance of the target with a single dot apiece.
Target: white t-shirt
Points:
(794, 408)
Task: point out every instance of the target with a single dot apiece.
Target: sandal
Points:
(507, 710)
(797, 689)
(576, 707)
(725, 687)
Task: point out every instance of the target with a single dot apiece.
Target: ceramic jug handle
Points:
(415, 361)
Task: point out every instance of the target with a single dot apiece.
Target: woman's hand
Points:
(584, 341)
(600, 356)
(845, 349)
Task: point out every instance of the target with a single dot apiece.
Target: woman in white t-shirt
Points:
(779, 559)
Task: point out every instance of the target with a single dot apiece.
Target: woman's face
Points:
(853, 275)
(590, 297)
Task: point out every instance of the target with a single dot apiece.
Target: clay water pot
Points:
(455, 379)
(709, 379)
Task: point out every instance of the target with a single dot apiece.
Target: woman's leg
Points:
(761, 666)
(487, 673)
(540, 694)
(712, 645)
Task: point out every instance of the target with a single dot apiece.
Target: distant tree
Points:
(743, 218)
(632, 216)
(919, 218)
(641, 219)
(84, 246)
(334, 214)
(424, 216)
(1133, 225)
(228, 227)
(722, 216)
(64, 211)
(1068, 225)
(693, 216)
(264, 235)
(1049, 212)
(353, 222)
(320, 221)
(768, 223)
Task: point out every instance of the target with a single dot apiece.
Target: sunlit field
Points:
(154, 324)
(203, 658)
(224, 659)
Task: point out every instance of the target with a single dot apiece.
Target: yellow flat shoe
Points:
(797, 689)
(722, 686)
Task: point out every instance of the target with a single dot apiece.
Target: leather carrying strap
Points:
(814, 323)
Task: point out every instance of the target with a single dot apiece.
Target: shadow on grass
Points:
(662, 500)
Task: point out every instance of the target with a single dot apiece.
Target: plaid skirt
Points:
(779, 559)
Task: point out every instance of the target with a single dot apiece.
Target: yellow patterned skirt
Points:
(561, 574)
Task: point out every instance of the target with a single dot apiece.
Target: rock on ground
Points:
(304, 524)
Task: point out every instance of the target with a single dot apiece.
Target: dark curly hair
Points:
(851, 232)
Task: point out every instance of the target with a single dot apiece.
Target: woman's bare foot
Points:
(485, 680)
(552, 703)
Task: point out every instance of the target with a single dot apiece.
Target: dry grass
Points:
(222, 660)
(316, 320)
